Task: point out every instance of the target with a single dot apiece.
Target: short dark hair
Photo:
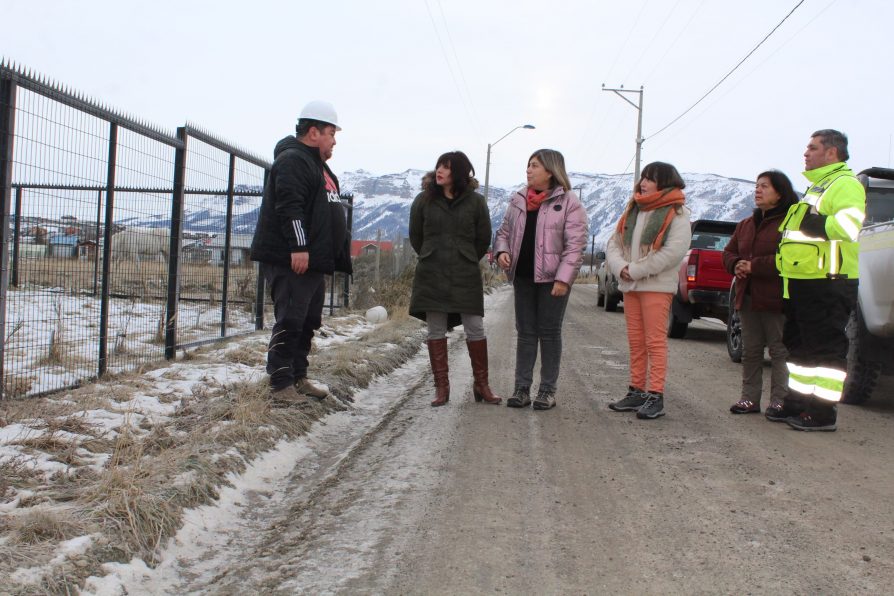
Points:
(461, 170)
(663, 174)
(782, 185)
(305, 124)
(830, 137)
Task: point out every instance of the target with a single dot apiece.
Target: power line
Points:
(459, 92)
(727, 75)
(459, 66)
(585, 130)
(755, 68)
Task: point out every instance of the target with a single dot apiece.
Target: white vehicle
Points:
(871, 329)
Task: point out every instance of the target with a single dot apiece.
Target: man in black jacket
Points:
(301, 236)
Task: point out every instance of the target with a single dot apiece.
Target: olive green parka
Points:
(450, 237)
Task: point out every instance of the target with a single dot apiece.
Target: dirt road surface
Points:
(470, 498)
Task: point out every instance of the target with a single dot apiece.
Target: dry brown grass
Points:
(155, 471)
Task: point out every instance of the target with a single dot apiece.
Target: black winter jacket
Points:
(450, 238)
(298, 215)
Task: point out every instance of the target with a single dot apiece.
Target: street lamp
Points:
(489, 145)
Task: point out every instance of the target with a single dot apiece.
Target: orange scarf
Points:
(668, 197)
(534, 198)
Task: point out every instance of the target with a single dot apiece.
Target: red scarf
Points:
(534, 198)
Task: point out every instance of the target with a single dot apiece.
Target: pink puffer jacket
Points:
(562, 228)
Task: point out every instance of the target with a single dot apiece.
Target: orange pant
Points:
(646, 316)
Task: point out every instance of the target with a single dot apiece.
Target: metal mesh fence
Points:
(91, 200)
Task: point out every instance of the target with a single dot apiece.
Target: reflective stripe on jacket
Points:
(836, 194)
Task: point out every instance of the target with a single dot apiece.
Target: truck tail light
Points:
(692, 268)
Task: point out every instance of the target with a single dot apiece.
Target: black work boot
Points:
(792, 405)
(820, 415)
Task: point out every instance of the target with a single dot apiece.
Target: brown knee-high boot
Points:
(437, 354)
(478, 356)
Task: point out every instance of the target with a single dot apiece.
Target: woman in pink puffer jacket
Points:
(540, 246)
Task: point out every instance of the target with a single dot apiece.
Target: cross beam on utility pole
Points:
(639, 123)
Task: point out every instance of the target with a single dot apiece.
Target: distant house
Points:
(62, 245)
(86, 249)
(240, 246)
(370, 247)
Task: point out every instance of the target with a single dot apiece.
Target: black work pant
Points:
(816, 314)
(298, 312)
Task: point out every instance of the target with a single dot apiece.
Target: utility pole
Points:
(639, 124)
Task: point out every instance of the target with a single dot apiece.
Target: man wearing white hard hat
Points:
(300, 238)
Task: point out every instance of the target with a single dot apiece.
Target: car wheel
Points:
(611, 302)
(734, 344)
(600, 296)
(862, 371)
(676, 328)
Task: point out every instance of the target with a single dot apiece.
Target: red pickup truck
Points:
(704, 284)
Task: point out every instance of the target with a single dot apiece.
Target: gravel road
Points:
(469, 498)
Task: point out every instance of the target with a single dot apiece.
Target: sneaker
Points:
(634, 399)
(653, 407)
(545, 400)
(815, 419)
(745, 406)
(521, 398)
(305, 386)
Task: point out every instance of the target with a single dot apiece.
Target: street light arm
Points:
(489, 146)
(505, 135)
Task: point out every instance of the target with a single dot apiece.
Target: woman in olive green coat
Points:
(450, 232)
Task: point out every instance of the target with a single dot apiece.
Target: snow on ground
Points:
(35, 317)
(155, 396)
(214, 534)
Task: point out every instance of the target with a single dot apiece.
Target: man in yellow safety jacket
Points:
(817, 259)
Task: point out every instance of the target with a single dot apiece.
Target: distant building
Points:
(370, 247)
(62, 245)
(240, 247)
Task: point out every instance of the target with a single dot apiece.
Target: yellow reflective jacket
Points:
(836, 194)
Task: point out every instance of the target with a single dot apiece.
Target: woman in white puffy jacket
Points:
(645, 252)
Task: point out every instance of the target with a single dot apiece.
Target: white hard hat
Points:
(322, 111)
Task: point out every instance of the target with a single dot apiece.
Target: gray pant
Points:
(437, 325)
(760, 329)
(538, 319)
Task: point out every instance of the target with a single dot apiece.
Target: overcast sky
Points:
(414, 78)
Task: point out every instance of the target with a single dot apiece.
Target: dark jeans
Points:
(538, 319)
(298, 311)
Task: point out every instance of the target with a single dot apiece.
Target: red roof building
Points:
(365, 247)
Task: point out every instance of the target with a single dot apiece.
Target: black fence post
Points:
(107, 253)
(346, 292)
(7, 144)
(96, 252)
(174, 252)
(259, 292)
(231, 185)
(16, 240)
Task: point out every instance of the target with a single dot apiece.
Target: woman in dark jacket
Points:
(450, 232)
(751, 257)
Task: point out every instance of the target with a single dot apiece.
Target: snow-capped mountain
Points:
(383, 203)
